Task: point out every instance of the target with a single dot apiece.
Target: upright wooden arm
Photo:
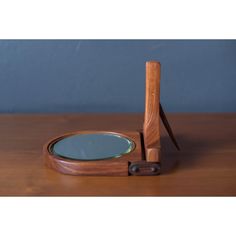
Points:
(151, 127)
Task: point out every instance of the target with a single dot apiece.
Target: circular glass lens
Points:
(94, 146)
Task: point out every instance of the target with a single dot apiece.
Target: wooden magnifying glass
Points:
(115, 153)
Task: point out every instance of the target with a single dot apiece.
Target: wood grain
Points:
(206, 163)
(109, 167)
(151, 127)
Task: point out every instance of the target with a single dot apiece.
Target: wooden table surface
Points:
(206, 164)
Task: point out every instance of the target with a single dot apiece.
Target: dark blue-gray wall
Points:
(109, 75)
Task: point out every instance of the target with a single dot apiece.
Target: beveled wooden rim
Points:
(104, 167)
(48, 146)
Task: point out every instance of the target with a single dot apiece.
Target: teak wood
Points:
(151, 127)
(112, 167)
(143, 160)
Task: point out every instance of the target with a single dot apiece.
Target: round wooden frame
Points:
(112, 166)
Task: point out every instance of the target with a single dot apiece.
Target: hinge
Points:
(144, 168)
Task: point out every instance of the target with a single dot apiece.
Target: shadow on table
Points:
(192, 151)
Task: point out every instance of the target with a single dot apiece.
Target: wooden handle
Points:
(151, 127)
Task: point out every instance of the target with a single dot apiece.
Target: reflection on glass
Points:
(95, 146)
